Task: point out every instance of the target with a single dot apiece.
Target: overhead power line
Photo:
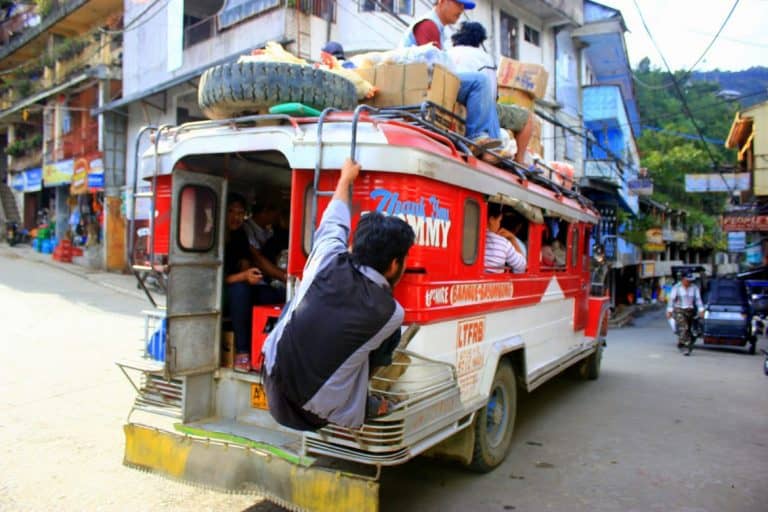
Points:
(722, 26)
(681, 96)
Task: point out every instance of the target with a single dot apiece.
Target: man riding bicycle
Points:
(684, 300)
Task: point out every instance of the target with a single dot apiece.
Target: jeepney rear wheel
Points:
(495, 423)
(589, 368)
(238, 88)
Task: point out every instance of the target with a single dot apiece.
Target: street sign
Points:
(716, 182)
(744, 221)
(737, 241)
(640, 187)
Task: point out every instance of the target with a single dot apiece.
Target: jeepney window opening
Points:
(471, 232)
(554, 243)
(575, 246)
(517, 224)
(306, 237)
(585, 250)
(198, 207)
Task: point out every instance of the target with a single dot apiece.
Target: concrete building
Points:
(59, 61)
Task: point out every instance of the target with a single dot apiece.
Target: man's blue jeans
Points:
(475, 93)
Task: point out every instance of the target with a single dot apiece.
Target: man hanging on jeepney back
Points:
(476, 90)
(342, 321)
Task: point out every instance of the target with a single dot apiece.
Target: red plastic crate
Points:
(264, 319)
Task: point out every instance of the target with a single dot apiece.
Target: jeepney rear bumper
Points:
(224, 466)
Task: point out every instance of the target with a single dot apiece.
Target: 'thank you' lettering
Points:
(430, 221)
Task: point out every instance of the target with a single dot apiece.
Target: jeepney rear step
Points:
(429, 410)
(203, 460)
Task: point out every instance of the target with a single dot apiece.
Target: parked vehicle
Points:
(728, 315)
(14, 234)
(470, 338)
(757, 291)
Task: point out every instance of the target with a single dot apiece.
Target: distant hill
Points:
(752, 83)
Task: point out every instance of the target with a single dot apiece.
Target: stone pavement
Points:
(121, 283)
(625, 314)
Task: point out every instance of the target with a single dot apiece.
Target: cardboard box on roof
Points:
(410, 84)
(524, 76)
(510, 96)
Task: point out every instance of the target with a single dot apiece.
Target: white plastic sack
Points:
(671, 322)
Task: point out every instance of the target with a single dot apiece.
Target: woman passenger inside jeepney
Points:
(501, 248)
(241, 278)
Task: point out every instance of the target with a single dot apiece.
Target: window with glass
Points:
(404, 7)
(531, 35)
(235, 11)
(197, 218)
(508, 33)
(470, 234)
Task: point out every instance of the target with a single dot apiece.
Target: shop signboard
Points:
(654, 240)
(647, 269)
(58, 173)
(745, 221)
(754, 254)
(29, 180)
(88, 175)
(16, 181)
(716, 182)
(737, 241)
(640, 187)
(33, 180)
(96, 174)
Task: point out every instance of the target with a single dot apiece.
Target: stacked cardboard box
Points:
(411, 84)
(521, 83)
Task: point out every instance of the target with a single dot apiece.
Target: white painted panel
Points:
(175, 34)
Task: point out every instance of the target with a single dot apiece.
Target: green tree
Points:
(668, 156)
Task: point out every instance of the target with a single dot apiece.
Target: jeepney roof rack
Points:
(426, 115)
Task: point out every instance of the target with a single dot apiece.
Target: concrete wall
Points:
(145, 49)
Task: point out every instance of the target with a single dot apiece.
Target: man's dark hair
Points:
(470, 33)
(494, 209)
(263, 205)
(234, 197)
(379, 239)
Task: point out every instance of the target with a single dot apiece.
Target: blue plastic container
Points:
(36, 244)
(47, 247)
(156, 343)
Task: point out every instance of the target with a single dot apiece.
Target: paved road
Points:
(657, 432)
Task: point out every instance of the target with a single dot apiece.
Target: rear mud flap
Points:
(234, 468)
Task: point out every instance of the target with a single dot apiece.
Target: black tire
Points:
(589, 368)
(752, 350)
(238, 88)
(492, 441)
(765, 365)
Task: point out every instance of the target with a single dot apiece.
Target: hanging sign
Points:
(744, 221)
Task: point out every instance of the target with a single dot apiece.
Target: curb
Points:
(92, 275)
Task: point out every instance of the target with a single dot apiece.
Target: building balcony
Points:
(64, 18)
(604, 170)
(70, 62)
(31, 158)
(674, 235)
(81, 141)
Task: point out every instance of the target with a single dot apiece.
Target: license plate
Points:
(258, 397)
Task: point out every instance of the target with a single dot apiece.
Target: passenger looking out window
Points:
(502, 248)
(554, 240)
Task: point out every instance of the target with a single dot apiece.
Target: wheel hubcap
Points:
(497, 416)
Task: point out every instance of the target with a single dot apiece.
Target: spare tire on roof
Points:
(238, 88)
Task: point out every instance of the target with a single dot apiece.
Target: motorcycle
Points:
(14, 235)
(686, 336)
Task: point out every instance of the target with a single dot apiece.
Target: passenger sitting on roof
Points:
(468, 56)
(500, 252)
(475, 90)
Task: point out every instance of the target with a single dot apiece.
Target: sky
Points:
(683, 29)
